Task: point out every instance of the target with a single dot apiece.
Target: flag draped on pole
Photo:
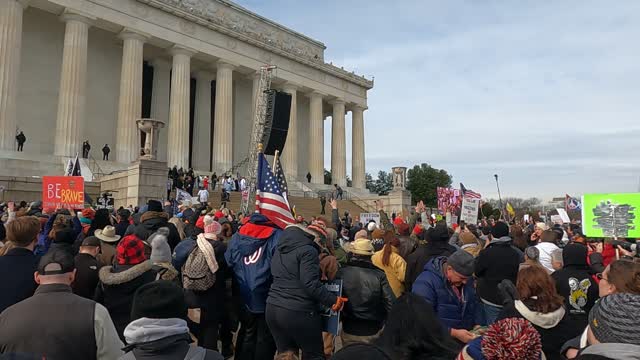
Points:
(469, 193)
(73, 167)
(182, 195)
(511, 210)
(271, 198)
(279, 173)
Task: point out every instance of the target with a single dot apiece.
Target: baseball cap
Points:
(56, 262)
(91, 241)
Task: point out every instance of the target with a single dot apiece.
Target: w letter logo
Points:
(248, 260)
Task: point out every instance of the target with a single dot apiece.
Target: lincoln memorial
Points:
(76, 70)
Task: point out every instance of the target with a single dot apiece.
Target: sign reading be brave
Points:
(63, 192)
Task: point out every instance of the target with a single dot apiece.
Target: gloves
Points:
(507, 291)
(339, 303)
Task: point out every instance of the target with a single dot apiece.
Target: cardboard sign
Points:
(556, 219)
(563, 214)
(63, 192)
(449, 200)
(366, 217)
(469, 210)
(611, 215)
(330, 318)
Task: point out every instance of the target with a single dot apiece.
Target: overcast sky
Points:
(544, 93)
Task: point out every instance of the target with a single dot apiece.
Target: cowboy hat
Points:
(361, 247)
(108, 234)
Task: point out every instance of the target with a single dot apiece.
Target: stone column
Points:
(223, 119)
(160, 101)
(316, 138)
(338, 146)
(10, 49)
(200, 154)
(357, 147)
(73, 84)
(130, 103)
(178, 149)
(290, 151)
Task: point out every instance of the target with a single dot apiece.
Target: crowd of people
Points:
(210, 283)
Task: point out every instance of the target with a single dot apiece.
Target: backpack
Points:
(196, 274)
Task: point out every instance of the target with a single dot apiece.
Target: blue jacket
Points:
(453, 314)
(181, 253)
(249, 256)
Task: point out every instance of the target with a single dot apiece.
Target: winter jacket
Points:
(16, 276)
(395, 271)
(419, 258)
(121, 227)
(575, 283)
(453, 313)
(497, 262)
(212, 298)
(553, 327)
(546, 248)
(116, 289)
(370, 297)
(162, 339)
(611, 351)
(151, 221)
(86, 276)
(249, 256)
(296, 273)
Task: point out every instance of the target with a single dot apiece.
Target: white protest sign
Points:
(448, 219)
(366, 217)
(526, 217)
(469, 210)
(563, 214)
(556, 219)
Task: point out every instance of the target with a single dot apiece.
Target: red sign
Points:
(63, 192)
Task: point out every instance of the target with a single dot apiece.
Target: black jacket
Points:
(116, 289)
(86, 276)
(16, 276)
(151, 221)
(421, 256)
(497, 262)
(213, 298)
(576, 284)
(370, 297)
(295, 267)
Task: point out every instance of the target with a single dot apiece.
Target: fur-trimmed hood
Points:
(545, 321)
(108, 277)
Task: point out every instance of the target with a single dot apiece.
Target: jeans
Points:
(293, 330)
(491, 312)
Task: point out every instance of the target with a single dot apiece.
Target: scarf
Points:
(208, 252)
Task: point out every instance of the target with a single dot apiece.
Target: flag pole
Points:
(275, 159)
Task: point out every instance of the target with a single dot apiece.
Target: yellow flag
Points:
(510, 210)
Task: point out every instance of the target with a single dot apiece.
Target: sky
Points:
(546, 94)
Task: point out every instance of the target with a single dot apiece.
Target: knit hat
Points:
(160, 299)
(438, 233)
(160, 250)
(615, 318)
(468, 238)
(130, 251)
(462, 262)
(218, 214)
(88, 213)
(500, 229)
(154, 205)
(511, 338)
(319, 228)
(362, 234)
(211, 227)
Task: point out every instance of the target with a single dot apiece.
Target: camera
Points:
(629, 246)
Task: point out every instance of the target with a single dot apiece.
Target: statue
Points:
(399, 177)
(151, 129)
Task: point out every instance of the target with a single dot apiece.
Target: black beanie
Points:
(64, 236)
(500, 229)
(159, 299)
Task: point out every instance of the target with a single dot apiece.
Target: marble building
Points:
(75, 70)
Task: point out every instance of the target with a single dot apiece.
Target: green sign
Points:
(611, 215)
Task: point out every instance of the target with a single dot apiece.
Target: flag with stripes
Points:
(271, 200)
(279, 173)
(469, 193)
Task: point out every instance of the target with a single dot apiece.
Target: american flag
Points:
(279, 172)
(271, 194)
(469, 194)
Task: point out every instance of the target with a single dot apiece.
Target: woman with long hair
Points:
(537, 300)
(413, 331)
(389, 260)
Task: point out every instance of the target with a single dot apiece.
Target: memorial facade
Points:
(76, 70)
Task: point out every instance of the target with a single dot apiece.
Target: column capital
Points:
(357, 107)
(204, 75)
(315, 94)
(182, 50)
(290, 87)
(161, 63)
(338, 102)
(128, 33)
(72, 15)
(225, 64)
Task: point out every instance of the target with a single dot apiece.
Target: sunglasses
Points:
(601, 277)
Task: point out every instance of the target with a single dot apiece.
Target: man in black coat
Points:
(153, 219)
(497, 262)
(18, 264)
(87, 268)
(21, 139)
(370, 296)
(437, 245)
(105, 152)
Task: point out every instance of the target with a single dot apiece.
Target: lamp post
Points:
(499, 196)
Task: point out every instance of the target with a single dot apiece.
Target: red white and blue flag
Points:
(469, 194)
(271, 194)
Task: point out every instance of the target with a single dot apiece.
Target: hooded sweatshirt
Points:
(499, 261)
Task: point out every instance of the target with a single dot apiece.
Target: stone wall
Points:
(144, 180)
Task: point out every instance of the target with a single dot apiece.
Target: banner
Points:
(366, 217)
(330, 318)
(556, 219)
(563, 214)
(611, 215)
(63, 192)
(469, 210)
(449, 200)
